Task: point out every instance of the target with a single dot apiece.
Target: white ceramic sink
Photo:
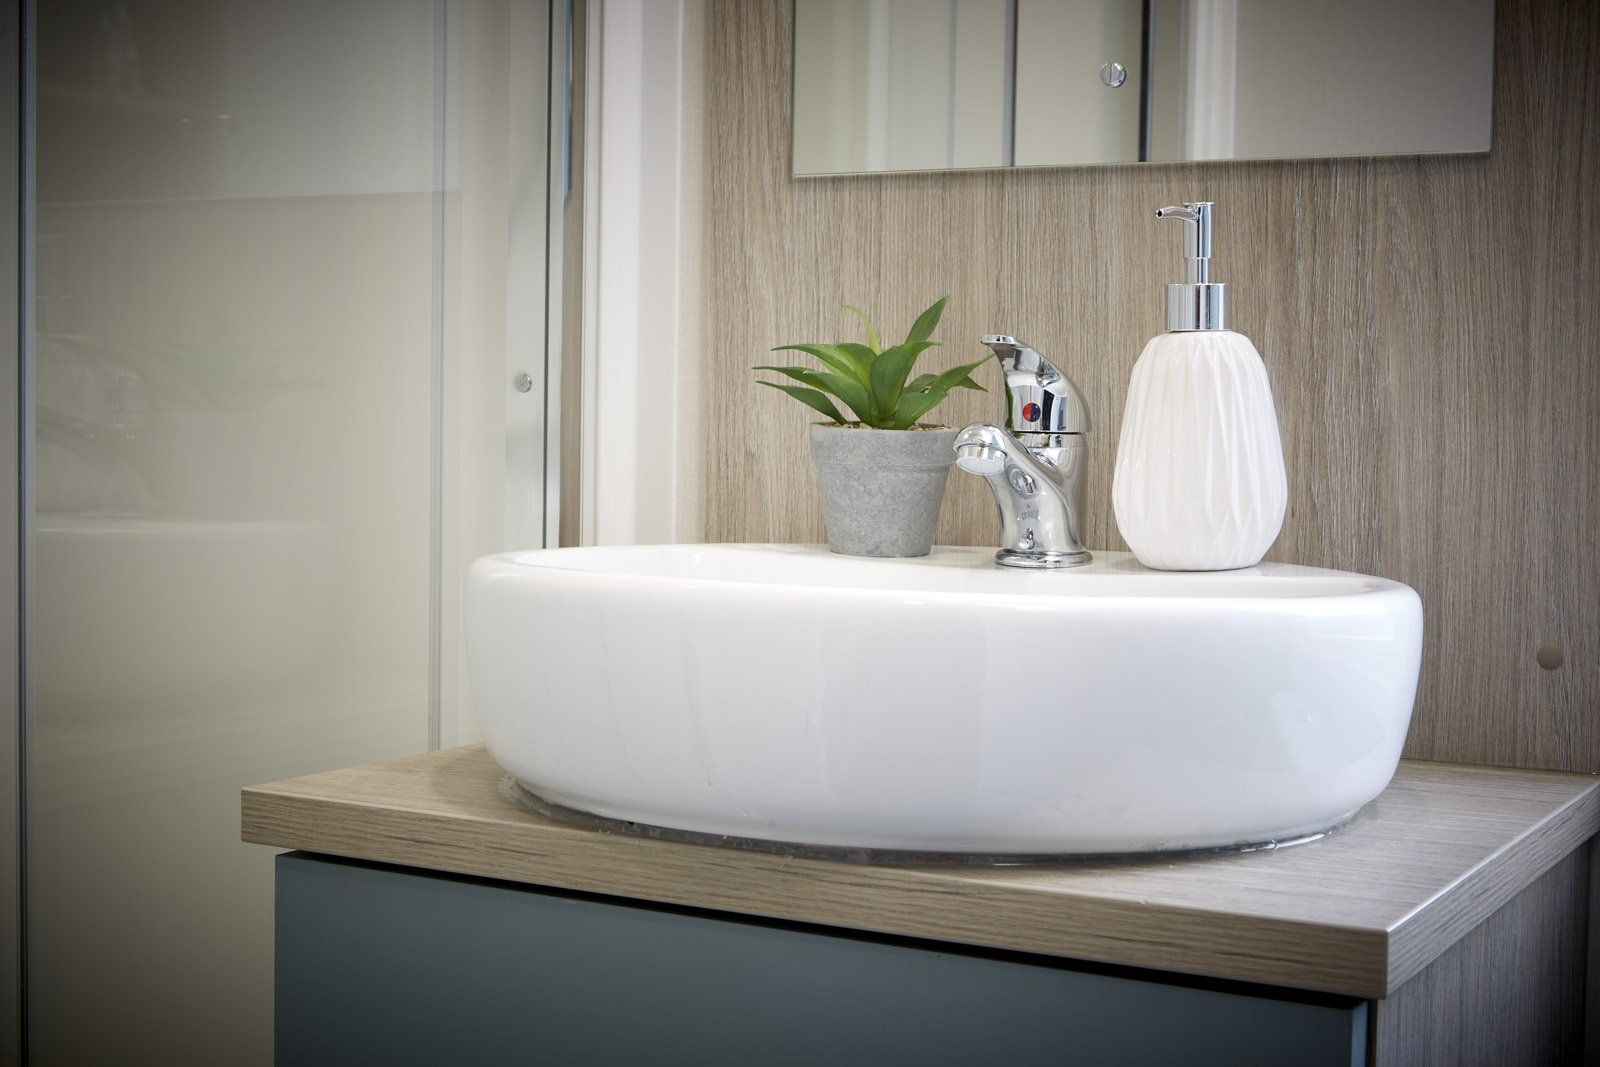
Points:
(783, 693)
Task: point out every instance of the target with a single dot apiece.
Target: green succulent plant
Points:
(871, 380)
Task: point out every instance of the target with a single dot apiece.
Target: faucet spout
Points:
(1038, 492)
(984, 449)
(1036, 466)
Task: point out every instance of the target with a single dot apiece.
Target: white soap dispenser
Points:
(1199, 483)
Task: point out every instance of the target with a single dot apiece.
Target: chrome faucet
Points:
(1035, 467)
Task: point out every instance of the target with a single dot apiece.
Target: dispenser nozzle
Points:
(1196, 303)
(1196, 219)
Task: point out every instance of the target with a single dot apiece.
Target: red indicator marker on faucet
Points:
(1030, 412)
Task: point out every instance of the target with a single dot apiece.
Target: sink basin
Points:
(943, 704)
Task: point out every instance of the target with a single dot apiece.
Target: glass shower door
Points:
(256, 230)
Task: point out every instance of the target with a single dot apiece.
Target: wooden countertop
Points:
(1358, 912)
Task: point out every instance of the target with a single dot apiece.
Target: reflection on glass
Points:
(1067, 111)
(237, 302)
(901, 85)
(884, 85)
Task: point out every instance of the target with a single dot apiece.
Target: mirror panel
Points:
(892, 85)
(904, 85)
(1066, 111)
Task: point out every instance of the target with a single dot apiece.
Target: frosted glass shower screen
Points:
(272, 246)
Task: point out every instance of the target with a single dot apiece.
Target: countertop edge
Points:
(1424, 935)
(1325, 958)
(337, 814)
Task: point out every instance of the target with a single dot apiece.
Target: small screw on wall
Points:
(1550, 657)
(522, 382)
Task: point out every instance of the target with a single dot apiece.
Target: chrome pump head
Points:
(1197, 302)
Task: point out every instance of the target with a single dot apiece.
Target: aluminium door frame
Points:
(15, 223)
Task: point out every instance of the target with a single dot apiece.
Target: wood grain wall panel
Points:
(1429, 324)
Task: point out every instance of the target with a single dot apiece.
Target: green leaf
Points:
(960, 377)
(804, 375)
(837, 358)
(862, 400)
(856, 396)
(927, 322)
(810, 398)
(861, 355)
(871, 381)
(872, 331)
(844, 386)
(889, 372)
(913, 406)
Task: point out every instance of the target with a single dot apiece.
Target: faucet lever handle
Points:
(1041, 398)
(1002, 342)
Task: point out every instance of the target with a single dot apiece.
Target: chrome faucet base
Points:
(1036, 465)
(1042, 561)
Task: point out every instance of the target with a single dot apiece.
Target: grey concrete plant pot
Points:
(881, 489)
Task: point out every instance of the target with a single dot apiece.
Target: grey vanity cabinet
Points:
(393, 966)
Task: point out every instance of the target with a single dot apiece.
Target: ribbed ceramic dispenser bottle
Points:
(1199, 483)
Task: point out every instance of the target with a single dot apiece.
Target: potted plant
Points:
(883, 472)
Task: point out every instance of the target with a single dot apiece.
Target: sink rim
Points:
(959, 572)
